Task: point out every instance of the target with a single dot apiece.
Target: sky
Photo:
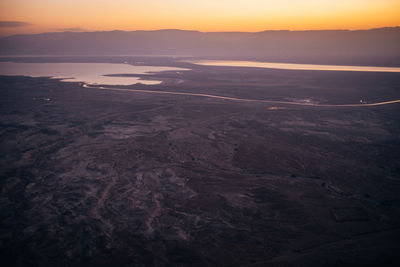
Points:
(35, 16)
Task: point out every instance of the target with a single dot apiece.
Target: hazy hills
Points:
(376, 46)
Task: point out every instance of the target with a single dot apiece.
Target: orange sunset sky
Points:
(35, 16)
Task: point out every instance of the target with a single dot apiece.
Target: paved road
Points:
(242, 99)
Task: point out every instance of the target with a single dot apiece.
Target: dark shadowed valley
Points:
(100, 176)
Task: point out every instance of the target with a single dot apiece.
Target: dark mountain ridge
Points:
(374, 47)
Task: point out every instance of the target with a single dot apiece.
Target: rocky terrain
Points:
(97, 178)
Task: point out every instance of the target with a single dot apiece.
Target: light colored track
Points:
(241, 99)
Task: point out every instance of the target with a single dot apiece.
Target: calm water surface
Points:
(290, 66)
(91, 73)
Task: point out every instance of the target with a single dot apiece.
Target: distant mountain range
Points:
(375, 47)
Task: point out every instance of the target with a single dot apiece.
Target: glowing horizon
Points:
(26, 16)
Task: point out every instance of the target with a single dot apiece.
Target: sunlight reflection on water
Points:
(291, 66)
(92, 73)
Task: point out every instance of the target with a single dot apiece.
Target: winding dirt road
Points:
(242, 99)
